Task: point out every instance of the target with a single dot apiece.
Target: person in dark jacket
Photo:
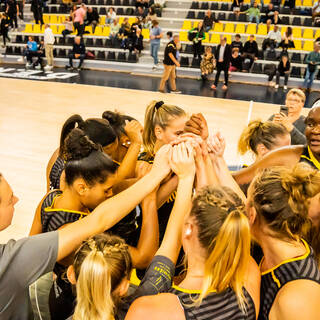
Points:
(237, 43)
(4, 28)
(208, 21)
(235, 61)
(36, 8)
(78, 52)
(197, 35)
(12, 11)
(92, 18)
(223, 56)
(282, 70)
(250, 51)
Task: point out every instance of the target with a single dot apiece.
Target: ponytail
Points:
(100, 265)
(258, 132)
(227, 264)
(70, 124)
(117, 121)
(157, 114)
(223, 230)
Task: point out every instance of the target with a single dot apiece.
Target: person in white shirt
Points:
(48, 45)
(111, 15)
(273, 39)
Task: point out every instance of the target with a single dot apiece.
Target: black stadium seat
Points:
(195, 63)
(284, 10)
(62, 53)
(205, 6)
(9, 50)
(296, 57)
(132, 58)
(285, 20)
(271, 55)
(89, 42)
(101, 2)
(53, 9)
(117, 2)
(102, 11)
(17, 51)
(19, 38)
(109, 43)
(221, 16)
(296, 21)
(214, 6)
(224, 7)
(61, 41)
(195, 5)
(184, 62)
(129, 12)
(296, 72)
(109, 3)
(257, 68)
(200, 15)
(191, 15)
(307, 22)
(99, 43)
(111, 56)
(101, 55)
(189, 48)
(126, 3)
(122, 57)
(120, 12)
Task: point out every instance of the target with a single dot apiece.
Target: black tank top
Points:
(304, 267)
(217, 306)
(55, 174)
(165, 210)
(308, 157)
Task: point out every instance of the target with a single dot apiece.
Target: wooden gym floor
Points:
(33, 112)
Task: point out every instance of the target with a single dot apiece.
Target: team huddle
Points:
(149, 222)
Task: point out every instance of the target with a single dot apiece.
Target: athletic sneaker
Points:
(38, 66)
(175, 91)
(285, 88)
(162, 91)
(28, 65)
(69, 68)
(276, 86)
(47, 68)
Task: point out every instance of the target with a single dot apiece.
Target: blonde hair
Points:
(297, 92)
(260, 132)
(157, 114)
(100, 264)
(223, 230)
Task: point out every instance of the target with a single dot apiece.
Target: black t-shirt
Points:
(237, 44)
(170, 48)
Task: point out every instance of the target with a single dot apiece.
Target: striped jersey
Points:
(308, 157)
(303, 267)
(217, 306)
(55, 174)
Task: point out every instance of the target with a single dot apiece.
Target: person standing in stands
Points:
(78, 19)
(312, 60)
(155, 38)
(196, 35)
(92, 18)
(170, 63)
(223, 56)
(36, 8)
(78, 52)
(48, 44)
(4, 28)
(12, 11)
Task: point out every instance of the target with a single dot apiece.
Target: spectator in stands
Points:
(146, 23)
(36, 8)
(170, 63)
(78, 52)
(92, 18)
(111, 15)
(208, 63)
(73, 9)
(294, 122)
(169, 35)
(235, 61)
(4, 28)
(312, 60)
(114, 30)
(21, 4)
(78, 19)
(140, 12)
(137, 42)
(155, 37)
(271, 16)
(223, 56)
(125, 28)
(287, 40)
(273, 39)
(283, 70)
(151, 14)
(237, 43)
(236, 6)
(316, 10)
(12, 10)
(250, 51)
(68, 26)
(197, 35)
(142, 4)
(208, 21)
(253, 13)
(48, 45)
(32, 51)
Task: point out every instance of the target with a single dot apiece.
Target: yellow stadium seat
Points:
(262, 29)
(46, 18)
(183, 35)
(251, 28)
(247, 1)
(297, 44)
(218, 27)
(186, 25)
(298, 3)
(98, 31)
(307, 3)
(145, 33)
(120, 20)
(317, 35)
(55, 29)
(207, 39)
(54, 19)
(240, 28)
(229, 28)
(106, 31)
(283, 30)
(132, 20)
(37, 28)
(308, 46)
(307, 34)
(89, 29)
(29, 28)
(60, 29)
(215, 38)
(296, 33)
(102, 20)
(195, 24)
(62, 19)
(229, 38)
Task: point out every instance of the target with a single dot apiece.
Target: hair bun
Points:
(78, 146)
(114, 118)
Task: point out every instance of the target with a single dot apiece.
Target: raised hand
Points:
(216, 145)
(198, 125)
(161, 160)
(134, 131)
(182, 160)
